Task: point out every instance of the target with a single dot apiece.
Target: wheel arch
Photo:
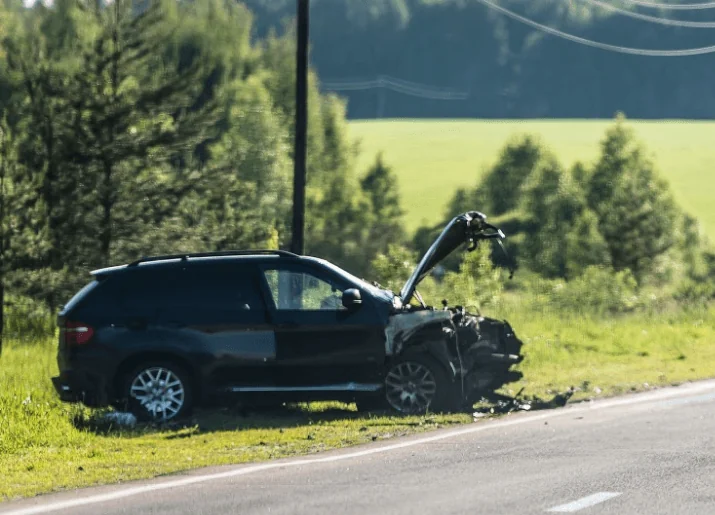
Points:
(435, 349)
(433, 340)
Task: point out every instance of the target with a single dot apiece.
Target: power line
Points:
(672, 7)
(399, 86)
(653, 19)
(603, 46)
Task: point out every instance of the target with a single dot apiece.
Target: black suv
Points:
(163, 334)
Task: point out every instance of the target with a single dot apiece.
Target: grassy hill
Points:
(434, 157)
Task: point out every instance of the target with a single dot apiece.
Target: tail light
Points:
(77, 333)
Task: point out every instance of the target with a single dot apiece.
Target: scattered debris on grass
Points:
(120, 418)
(501, 404)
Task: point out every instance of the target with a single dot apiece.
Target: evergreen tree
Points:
(382, 194)
(561, 238)
(23, 237)
(499, 190)
(637, 214)
(131, 113)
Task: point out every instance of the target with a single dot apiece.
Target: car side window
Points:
(303, 291)
(200, 291)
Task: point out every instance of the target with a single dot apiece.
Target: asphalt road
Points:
(641, 454)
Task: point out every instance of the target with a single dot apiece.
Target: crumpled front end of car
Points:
(479, 352)
(488, 349)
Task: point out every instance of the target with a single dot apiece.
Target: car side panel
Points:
(324, 348)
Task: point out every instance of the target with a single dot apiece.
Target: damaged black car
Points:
(164, 334)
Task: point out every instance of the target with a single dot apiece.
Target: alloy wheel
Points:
(410, 387)
(160, 391)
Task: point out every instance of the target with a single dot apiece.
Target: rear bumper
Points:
(64, 390)
(76, 387)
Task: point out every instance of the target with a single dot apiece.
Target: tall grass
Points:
(31, 415)
(611, 354)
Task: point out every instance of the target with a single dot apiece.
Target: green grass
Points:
(613, 355)
(434, 157)
(47, 446)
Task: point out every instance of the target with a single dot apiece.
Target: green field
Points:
(432, 158)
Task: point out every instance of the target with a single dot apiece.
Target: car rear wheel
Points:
(416, 384)
(158, 391)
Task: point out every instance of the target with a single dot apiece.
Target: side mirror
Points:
(352, 298)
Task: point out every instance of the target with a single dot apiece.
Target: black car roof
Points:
(175, 259)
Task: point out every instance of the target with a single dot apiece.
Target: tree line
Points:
(508, 70)
(618, 216)
(137, 128)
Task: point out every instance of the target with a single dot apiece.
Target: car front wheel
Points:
(158, 392)
(416, 384)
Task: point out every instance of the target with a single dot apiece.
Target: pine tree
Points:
(562, 238)
(131, 113)
(382, 194)
(637, 214)
(35, 116)
(23, 236)
(499, 190)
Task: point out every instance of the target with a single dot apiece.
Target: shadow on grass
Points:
(287, 416)
(237, 419)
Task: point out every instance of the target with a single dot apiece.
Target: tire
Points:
(416, 384)
(168, 401)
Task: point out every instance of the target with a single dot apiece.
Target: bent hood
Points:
(464, 228)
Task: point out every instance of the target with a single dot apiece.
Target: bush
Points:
(477, 284)
(695, 292)
(392, 268)
(27, 319)
(598, 290)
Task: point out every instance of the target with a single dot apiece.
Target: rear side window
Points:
(215, 293)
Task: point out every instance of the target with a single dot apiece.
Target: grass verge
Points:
(43, 448)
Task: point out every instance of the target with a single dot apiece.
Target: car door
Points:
(321, 345)
(217, 314)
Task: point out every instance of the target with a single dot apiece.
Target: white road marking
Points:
(585, 502)
(477, 428)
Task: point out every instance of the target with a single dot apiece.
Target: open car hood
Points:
(465, 228)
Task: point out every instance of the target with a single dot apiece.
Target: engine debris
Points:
(496, 403)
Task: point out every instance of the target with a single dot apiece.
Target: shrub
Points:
(26, 319)
(695, 292)
(598, 290)
(392, 268)
(478, 282)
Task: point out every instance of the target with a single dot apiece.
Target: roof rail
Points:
(186, 256)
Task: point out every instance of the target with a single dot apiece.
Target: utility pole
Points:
(301, 128)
